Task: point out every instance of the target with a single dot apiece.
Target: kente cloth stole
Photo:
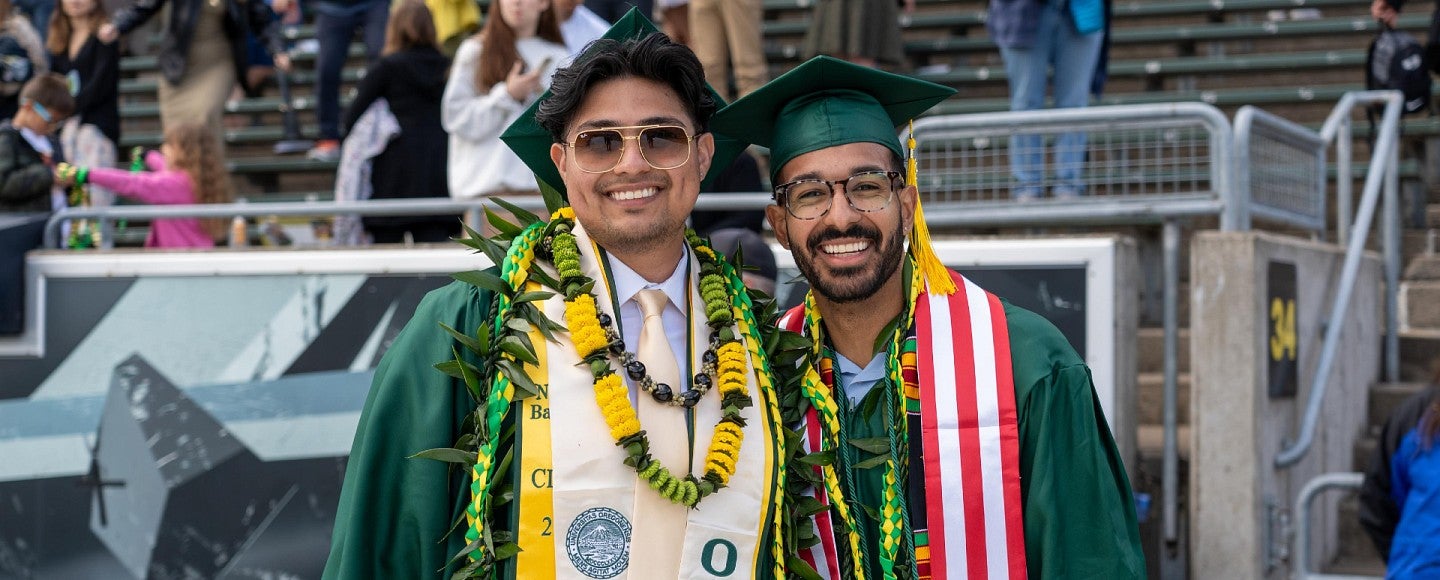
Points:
(576, 497)
(968, 522)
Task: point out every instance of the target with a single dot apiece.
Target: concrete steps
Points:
(1151, 388)
(1420, 293)
(1384, 398)
(1150, 440)
(1150, 353)
(1357, 554)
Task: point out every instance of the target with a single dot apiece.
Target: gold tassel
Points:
(937, 277)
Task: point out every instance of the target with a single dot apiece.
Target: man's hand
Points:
(283, 62)
(521, 85)
(108, 33)
(280, 6)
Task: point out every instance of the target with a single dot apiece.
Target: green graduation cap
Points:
(827, 102)
(531, 142)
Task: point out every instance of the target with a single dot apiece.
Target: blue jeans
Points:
(1073, 57)
(334, 28)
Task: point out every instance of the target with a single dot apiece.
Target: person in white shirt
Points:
(497, 74)
(578, 24)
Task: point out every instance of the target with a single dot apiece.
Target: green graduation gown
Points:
(1079, 514)
(394, 512)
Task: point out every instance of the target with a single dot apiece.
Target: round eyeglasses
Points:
(809, 199)
(600, 150)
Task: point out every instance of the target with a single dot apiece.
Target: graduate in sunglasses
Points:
(650, 441)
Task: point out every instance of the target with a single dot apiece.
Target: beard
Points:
(853, 284)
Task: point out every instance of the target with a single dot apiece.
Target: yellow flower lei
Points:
(593, 342)
(484, 548)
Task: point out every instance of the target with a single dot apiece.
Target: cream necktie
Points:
(660, 524)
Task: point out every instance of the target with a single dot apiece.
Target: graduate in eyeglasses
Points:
(956, 435)
(614, 416)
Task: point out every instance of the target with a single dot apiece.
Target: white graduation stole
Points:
(970, 438)
(577, 497)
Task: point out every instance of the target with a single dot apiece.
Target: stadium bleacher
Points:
(1224, 53)
(1294, 58)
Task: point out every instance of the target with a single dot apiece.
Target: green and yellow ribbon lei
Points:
(515, 272)
(893, 519)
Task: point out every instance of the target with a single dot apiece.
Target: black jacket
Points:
(1378, 513)
(241, 17)
(413, 165)
(98, 67)
(25, 180)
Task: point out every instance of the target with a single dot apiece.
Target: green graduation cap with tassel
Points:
(531, 142)
(827, 102)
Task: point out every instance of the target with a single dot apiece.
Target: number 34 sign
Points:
(1284, 343)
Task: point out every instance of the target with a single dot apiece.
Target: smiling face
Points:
(846, 255)
(633, 207)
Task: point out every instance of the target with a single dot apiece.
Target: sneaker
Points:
(325, 150)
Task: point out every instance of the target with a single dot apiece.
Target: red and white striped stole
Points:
(972, 525)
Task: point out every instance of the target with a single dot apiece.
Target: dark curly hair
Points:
(654, 57)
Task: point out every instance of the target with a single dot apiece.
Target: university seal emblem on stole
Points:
(598, 543)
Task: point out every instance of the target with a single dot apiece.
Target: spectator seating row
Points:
(950, 36)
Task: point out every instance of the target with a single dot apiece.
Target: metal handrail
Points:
(1250, 121)
(1088, 210)
(370, 207)
(1337, 128)
(1312, 488)
(1383, 164)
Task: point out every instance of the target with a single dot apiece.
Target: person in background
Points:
(1035, 36)
(1388, 13)
(455, 20)
(24, 54)
(411, 78)
(39, 12)
(694, 477)
(497, 74)
(260, 66)
(92, 69)
(1400, 499)
(743, 175)
(865, 32)
(1012, 396)
(26, 154)
(202, 55)
(726, 36)
(675, 20)
(612, 10)
(755, 254)
(578, 25)
(188, 169)
(25, 184)
(335, 24)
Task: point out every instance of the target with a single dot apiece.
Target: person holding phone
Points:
(498, 73)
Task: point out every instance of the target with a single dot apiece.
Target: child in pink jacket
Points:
(187, 170)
